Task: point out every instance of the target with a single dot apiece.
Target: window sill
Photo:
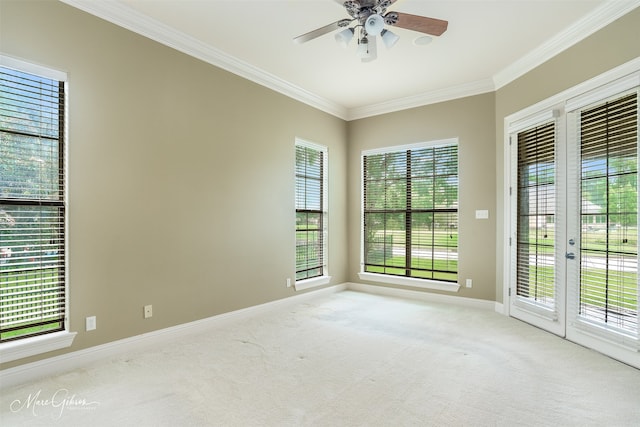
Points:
(410, 282)
(312, 283)
(14, 350)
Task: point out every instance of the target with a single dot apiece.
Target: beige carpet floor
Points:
(347, 359)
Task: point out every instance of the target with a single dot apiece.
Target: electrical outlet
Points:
(90, 323)
(288, 282)
(469, 283)
(148, 311)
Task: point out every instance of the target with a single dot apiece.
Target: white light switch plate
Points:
(482, 214)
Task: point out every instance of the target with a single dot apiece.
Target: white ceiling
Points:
(488, 44)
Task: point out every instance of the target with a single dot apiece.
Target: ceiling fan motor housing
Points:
(391, 18)
(353, 8)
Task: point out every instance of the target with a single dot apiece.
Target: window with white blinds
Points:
(609, 214)
(411, 212)
(32, 205)
(535, 241)
(310, 210)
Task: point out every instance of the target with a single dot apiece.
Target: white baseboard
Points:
(69, 361)
(422, 296)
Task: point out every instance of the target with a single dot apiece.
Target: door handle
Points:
(570, 255)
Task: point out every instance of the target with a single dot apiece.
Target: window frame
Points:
(325, 278)
(423, 283)
(33, 345)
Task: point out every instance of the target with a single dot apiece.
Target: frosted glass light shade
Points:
(389, 38)
(344, 37)
(374, 24)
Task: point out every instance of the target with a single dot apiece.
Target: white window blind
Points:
(411, 212)
(32, 205)
(310, 211)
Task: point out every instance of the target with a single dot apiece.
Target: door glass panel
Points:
(535, 277)
(609, 215)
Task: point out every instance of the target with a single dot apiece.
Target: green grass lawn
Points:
(620, 239)
(421, 268)
(595, 282)
(9, 280)
(621, 292)
(618, 290)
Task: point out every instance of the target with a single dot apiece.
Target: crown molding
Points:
(125, 17)
(422, 99)
(596, 20)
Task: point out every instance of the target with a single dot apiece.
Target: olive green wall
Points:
(608, 48)
(471, 120)
(181, 176)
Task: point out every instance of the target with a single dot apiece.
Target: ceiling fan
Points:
(370, 18)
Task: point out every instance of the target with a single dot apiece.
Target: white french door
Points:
(574, 219)
(602, 286)
(538, 268)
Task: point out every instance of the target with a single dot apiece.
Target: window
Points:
(410, 226)
(32, 205)
(311, 218)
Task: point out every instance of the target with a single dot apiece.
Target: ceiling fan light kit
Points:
(374, 24)
(363, 48)
(370, 18)
(389, 38)
(344, 37)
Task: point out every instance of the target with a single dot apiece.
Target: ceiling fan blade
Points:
(322, 31)
(373, 49)
(431, 26)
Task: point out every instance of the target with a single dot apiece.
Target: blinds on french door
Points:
(609, 214)
(535, 275)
